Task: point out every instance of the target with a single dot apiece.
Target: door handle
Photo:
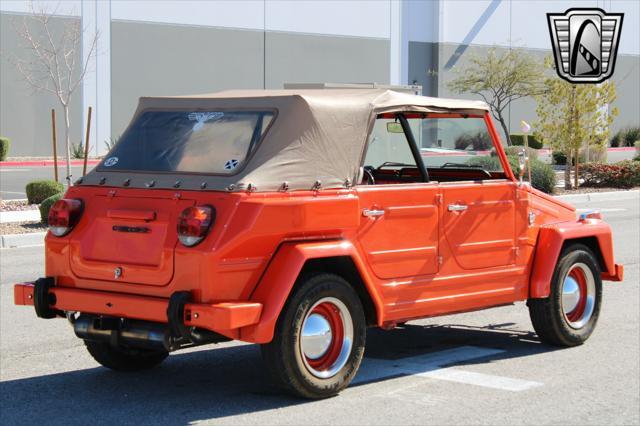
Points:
(372, 213)
(457, 207)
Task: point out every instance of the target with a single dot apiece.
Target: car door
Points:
(478, 198)
(478, 223)
(398, 232)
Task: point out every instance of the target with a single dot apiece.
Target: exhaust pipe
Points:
(139, 334)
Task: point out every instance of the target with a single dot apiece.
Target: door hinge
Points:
(516, 251)
(438, 198)
(440, 260)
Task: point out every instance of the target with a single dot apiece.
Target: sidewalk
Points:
(46, 163)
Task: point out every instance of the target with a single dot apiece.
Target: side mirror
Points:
(522, 164)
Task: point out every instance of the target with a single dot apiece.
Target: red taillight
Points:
(194, 223)
(63, 216)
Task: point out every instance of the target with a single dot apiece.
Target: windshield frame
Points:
(100, 167)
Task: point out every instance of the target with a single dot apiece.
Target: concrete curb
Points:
(601, 196)
(45, 163)
(22, 240)
(20, 216)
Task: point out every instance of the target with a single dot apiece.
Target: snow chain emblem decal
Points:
(231, 164)
(202, 117)
(585, 43)
(111, 161)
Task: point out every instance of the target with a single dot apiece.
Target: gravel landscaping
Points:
(589, 190)
(21, 227)
(16, 205)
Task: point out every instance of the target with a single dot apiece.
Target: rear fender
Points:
(283, 271)
(551, 240)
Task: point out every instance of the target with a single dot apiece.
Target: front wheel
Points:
(319, 338)
(569, 315)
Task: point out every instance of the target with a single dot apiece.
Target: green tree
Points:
(500, 78)
(574, 115)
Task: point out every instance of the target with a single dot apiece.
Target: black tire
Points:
(283, 355)
(549, 319)
(124, 359)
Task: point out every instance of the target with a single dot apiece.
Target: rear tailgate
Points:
(127, 238)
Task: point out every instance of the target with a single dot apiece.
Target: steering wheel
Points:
(368, 172)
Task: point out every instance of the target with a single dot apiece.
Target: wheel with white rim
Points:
(319, 338)
(570, 313)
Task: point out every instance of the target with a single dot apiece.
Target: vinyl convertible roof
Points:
(317, 135)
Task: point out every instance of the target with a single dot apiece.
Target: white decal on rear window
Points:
(203, 117)
(231, 164)
(111, 161)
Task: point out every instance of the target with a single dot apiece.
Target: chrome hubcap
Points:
(578, 295)
(570, 294)
(326, 337)
(316, 336)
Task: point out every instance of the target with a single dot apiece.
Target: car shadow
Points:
(222, 382)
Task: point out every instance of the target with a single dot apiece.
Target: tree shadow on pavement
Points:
(218, 383)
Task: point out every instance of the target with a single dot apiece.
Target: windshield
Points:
(455, 142)
(212, 142)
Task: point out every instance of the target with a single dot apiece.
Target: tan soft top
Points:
(317, 136)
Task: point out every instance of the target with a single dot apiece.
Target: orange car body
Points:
(415, 258)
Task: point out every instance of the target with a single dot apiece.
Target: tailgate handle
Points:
(146, 215)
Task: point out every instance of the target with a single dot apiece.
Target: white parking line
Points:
(433, 366)
(600, 210)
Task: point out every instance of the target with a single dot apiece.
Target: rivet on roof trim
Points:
(251, 188)
(316, 185)
(126, 182)
(231, 187)
(150, 184)
(203, 185)
(102, 180)
(177, 184)
(284, 186)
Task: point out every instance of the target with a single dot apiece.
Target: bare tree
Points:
(54, 62)
(500, 79)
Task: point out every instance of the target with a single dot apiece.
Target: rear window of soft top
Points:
(208, 142)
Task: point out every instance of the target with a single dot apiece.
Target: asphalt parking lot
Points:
(485, 367)
(14, 179)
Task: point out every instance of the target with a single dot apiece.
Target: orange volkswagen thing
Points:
(297, 219)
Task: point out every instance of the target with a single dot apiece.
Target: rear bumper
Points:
(618, 274)
(223, 318)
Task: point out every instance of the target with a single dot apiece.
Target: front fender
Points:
(550, 241)
(275, 286)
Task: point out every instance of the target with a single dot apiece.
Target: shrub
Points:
(4, 148)
(39, 190)
(45, 206)
(478, 142)
(518, 140)
(615, 140)
(625, 137)
(542, 175)
(560, 159)
(631, 136)
(624, 174)
(77, 151)
(515, 151)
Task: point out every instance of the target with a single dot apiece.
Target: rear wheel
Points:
(124, 359)
(570, 313)
(319, 338)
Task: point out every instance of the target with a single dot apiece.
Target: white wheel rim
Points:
(326, 337)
